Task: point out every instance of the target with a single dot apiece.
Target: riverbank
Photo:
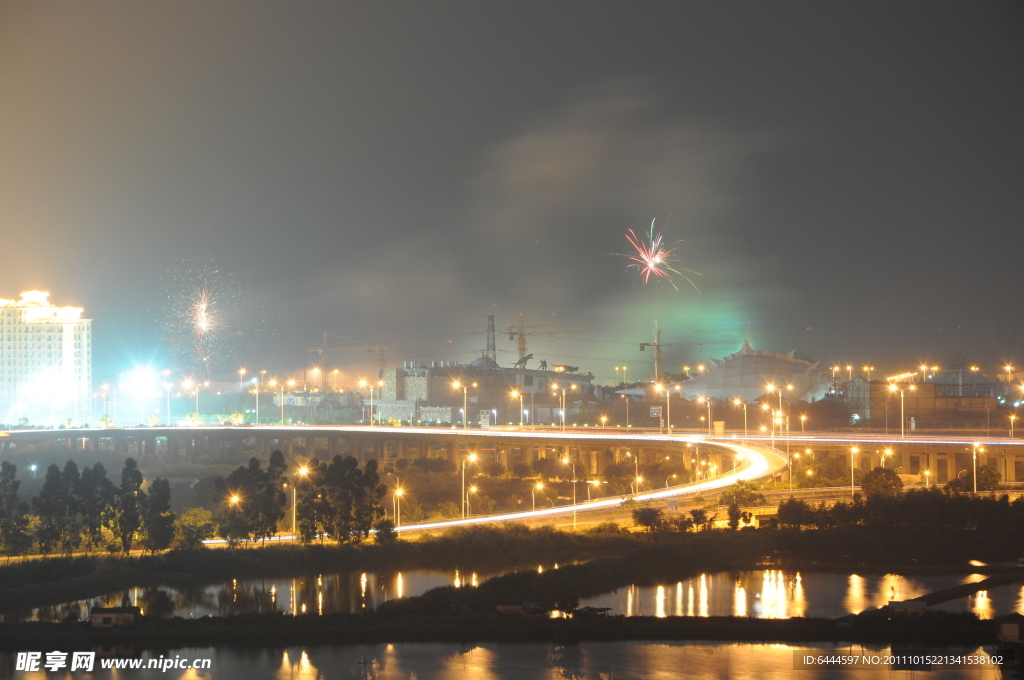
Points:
(274, 631)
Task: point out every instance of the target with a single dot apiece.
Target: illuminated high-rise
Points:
(45, 360)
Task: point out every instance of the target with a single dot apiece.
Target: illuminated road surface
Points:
(756, 462)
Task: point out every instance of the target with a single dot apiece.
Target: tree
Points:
(702, 521)
(192, 527)
(58, 508)
(14, 539)
(311, 509)
(651, 519)
(795, 514)
(129, 503)
(271, 497)
(385, 532)
(736, 516)
(96, 494)
(882, 483)
(988, 480)
(743, 493)
(353, 498)
(159, 520)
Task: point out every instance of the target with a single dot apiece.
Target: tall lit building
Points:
(45, 360)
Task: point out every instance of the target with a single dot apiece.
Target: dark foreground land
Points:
(469, 614)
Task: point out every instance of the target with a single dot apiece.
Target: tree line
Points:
(338, 500)
(84, 508)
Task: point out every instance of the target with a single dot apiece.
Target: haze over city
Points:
(847, 179)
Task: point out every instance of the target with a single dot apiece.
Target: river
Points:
(763, 593)
(529, 661)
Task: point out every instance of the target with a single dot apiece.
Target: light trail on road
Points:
(757, 463)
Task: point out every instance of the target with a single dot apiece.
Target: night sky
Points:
(848, 177)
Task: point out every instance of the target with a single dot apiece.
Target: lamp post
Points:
(853, 452)
(566, 461)
(517, 393)
(302, 471)
(893, 388)
(1013, 417)
(637, 483)
(667, 480)
(397, 496)
(169, 385)
(1009, 377)
(465, 399)
(636, 463)
(626, 398)
(974, 460)
(869, 369)
(849, 370)
(927, 478)
(706, 400)
(803, 421)
(533, 493)
(472, 458)
(469, 508)
(256, 391)
(886, 452)
(668, 405)
(241, 375)
(737, 402)
(557, 387)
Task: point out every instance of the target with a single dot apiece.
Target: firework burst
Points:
(195, 316)
(653, 259)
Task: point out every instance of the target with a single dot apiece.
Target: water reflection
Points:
(491, 661)
(346, 592)
(777, 594)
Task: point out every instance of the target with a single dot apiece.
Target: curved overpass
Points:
(754, 460)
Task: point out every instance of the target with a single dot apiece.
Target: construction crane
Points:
(658, 344)
(524, 330)
(381, 348)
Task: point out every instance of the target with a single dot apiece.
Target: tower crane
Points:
(658, 344)
(520, 334)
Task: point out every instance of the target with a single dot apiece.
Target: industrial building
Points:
(45, 360)
(427, 393)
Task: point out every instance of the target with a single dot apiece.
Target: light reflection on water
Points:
(321, 594)
(767, 593)
(494, 661)
(780, 594)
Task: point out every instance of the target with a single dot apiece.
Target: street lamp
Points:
(557, 387)
(397, 496)
(566, 461)
(706, 400)
(974, 459)
(469, 508)
(626, 398)
(590, 483)
(465, 397)
(869, 369)
(803, 420)
(669, 478)
(1009, 377)
(886, 452)
(636, 463)
(533, 493)
(849, 370)
(637, 482)
(737, 402)
(894, 388)
(472, 458)
(363, 384)
(302, 471)
(604, 421)
(853, 452)
(668, 405)
(1013, 417)
(241, 375)
(169, 385)
(517, 393)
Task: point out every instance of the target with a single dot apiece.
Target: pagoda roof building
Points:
(746, 375)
